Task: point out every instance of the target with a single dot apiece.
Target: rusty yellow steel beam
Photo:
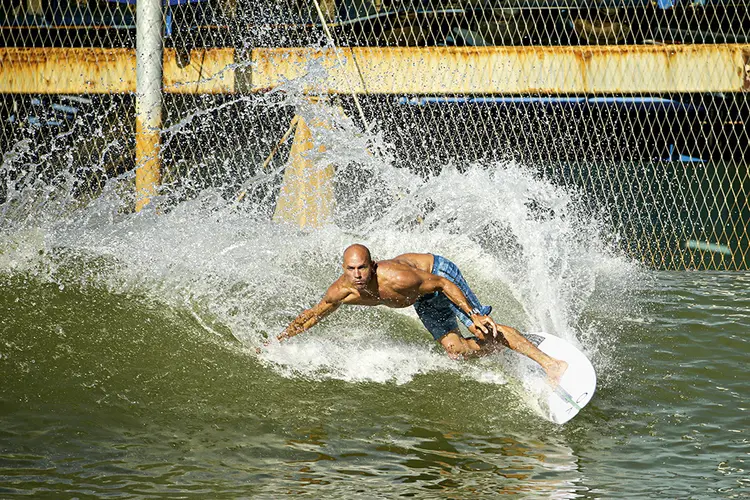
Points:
(98, 71)
(511, 70)
(402, 70)
(79, 71)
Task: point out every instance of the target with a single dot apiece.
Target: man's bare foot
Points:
(555, 371)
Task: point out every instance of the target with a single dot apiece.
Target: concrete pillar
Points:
(306, 197)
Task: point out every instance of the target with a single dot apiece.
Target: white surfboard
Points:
(577, 384)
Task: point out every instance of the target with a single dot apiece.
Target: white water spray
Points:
(524, 244)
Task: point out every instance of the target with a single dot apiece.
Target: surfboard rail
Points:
(577, 385)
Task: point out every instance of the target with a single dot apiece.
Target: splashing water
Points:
(526, 246)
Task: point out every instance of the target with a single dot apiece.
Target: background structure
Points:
(642, 106)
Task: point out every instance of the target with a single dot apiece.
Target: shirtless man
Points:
(438, 292)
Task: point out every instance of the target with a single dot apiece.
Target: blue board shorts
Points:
(437, 312)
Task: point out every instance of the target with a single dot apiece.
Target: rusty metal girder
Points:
(508, 70)
(99, 71)
(402, 70)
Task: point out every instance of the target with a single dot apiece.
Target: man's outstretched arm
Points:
(309, 317)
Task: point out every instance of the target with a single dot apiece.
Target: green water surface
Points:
(107, 394)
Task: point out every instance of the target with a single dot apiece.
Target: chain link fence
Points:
(642, 106)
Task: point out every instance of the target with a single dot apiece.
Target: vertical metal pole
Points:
(149, 57)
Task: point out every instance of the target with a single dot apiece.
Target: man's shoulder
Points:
(411, 261)
(338, 291)
(420, 261)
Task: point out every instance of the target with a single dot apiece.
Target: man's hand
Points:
(263, 345)
(485, 325)
(266, 342)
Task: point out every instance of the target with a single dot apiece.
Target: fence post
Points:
(149, 61)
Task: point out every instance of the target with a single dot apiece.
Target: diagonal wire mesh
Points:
(669, 167)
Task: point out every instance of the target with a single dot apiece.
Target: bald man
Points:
(438, 292)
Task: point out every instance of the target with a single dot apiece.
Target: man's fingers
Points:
(265, 343)
(481, 328)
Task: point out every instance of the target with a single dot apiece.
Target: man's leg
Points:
(510, 337)
(456, 346)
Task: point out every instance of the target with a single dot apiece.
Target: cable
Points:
(341, 64)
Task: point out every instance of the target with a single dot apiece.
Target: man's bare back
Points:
(402, 282)
(397, 282)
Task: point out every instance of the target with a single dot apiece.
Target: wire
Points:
(341, 64)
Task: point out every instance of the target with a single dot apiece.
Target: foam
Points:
(526, 246)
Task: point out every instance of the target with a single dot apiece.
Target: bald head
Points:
(357, 252)
(358, 265)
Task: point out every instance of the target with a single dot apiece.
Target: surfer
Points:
(439, 294)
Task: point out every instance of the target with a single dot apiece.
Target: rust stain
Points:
(208, 71)
(584, 55)
(584, 60)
